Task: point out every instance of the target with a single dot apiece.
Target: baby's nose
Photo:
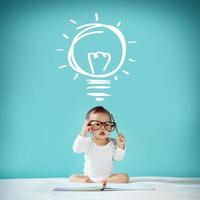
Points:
(102, 127)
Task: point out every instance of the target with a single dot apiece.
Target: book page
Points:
(129, 186)
(78, 187)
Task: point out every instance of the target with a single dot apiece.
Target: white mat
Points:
(166, 188)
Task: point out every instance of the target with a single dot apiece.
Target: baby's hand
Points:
(85, 129)
(121, 141)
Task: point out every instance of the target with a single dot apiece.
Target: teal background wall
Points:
(157, 107)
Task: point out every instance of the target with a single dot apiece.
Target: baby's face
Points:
(101, 133)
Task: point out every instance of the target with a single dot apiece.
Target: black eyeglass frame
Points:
(113, 125)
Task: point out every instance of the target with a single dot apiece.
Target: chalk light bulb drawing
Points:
(98, 81)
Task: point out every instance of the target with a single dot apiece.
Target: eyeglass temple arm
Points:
(115, 123)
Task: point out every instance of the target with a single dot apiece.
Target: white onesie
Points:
(98, 159)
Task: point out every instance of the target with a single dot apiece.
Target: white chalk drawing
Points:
(99, 79)
(96, 55)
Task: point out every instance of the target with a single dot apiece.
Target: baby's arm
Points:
(81, 142)
(119, 150)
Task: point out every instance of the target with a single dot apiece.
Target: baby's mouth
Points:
(102, 134)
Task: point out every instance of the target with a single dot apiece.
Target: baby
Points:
(99, 150)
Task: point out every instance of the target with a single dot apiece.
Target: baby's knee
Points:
(124, 178)
(73, 177)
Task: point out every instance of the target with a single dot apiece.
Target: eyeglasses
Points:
(96, 125)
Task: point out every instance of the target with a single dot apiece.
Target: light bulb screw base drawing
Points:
(98, 85)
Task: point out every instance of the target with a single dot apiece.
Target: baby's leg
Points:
(118, 178)
(80, 179)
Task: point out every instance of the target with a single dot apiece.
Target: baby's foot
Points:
(86, 179)
(103, 181)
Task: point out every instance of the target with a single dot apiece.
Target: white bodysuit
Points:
(98, 159)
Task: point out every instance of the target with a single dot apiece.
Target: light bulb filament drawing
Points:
(96, 55)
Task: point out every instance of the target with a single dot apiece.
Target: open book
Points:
(99, 187)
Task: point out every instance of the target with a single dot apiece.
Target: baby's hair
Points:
(98, 109)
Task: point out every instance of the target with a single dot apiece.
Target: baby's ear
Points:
(89, 123)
